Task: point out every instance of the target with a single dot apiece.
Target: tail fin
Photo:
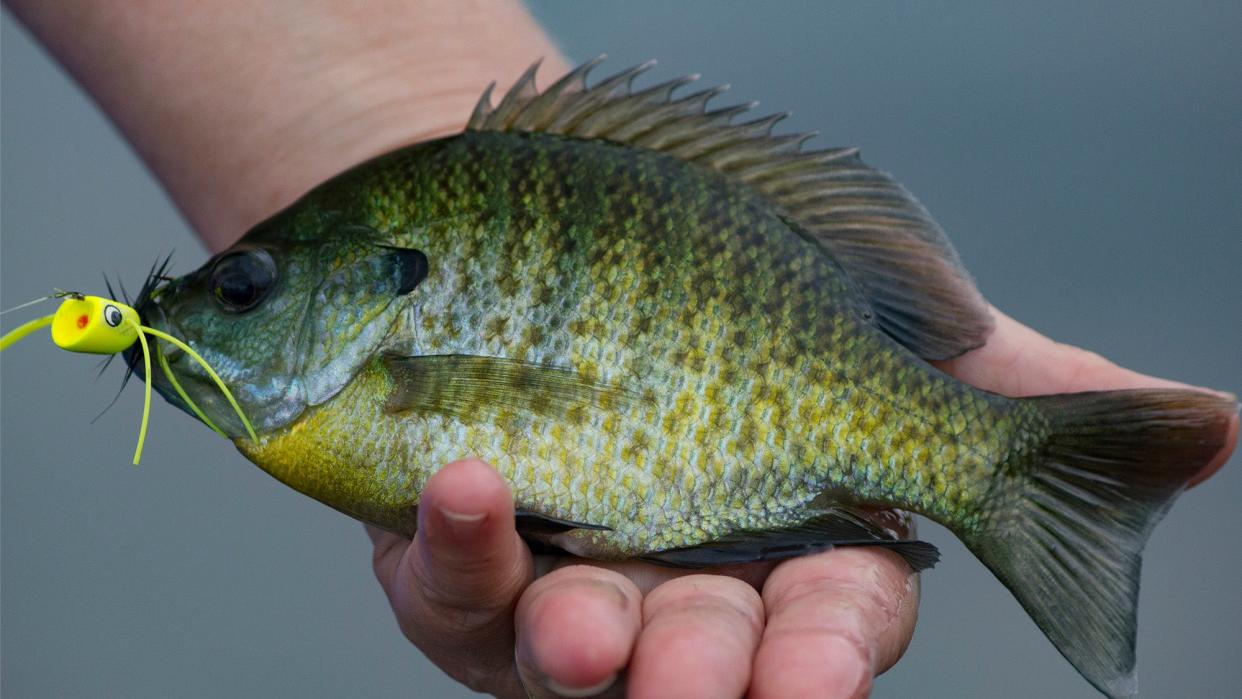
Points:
(1069, 542)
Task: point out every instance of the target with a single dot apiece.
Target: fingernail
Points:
(578, 692)
(463, 523)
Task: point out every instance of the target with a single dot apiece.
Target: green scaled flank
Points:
(679, 338)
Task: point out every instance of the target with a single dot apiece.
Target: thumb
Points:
(457, 584)
(466, 542)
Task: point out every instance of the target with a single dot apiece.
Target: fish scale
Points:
(680, 339)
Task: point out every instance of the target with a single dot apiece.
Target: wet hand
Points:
(469, 594)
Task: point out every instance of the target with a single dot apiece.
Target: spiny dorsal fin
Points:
(895, 252)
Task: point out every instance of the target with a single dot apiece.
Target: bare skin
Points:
(239, 107)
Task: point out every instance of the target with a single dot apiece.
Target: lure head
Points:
(94, 325)
(286, 317)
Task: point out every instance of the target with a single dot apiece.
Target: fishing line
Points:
(96, 325)
(28, 304)
(59, 294)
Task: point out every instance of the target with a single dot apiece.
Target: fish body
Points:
(734, 379)
(680, 339)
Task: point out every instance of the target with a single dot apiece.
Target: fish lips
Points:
(151, 315)
(205, 396)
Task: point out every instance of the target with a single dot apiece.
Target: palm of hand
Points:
(468, 592)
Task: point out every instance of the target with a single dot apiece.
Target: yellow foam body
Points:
(94, 325)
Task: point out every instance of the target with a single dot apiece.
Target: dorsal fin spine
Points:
(644, 111)
(518, 98)
(666, 130)
(573, 83)
(602, 93)
(484, 106)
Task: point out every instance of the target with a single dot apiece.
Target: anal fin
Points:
(825, 531)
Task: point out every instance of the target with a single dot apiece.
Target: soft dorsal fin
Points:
(891, 247)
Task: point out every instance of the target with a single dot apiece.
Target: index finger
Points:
(834, 621)
(1018, 361)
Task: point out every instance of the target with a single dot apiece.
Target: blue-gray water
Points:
(1085, 158)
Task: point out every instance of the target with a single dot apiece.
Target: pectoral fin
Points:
(825, 531)
(466, 386)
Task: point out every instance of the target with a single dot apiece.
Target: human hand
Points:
(468, 593)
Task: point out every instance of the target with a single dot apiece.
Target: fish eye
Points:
(241, 279)
(112, 315)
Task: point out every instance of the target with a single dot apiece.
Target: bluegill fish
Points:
(679, 338)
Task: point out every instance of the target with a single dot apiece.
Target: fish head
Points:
(286, 318)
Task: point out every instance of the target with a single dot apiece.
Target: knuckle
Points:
(578, 580)
(706, 594)
(461, 615)
(490, 584)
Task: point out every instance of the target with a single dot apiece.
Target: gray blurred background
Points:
(1086, 159)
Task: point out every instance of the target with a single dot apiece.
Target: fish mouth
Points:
(148, 311)
(162, 355)
(152, 316)
(189, 391)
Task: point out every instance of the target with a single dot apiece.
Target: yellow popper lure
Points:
(96, 325)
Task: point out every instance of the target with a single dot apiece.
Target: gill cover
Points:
(357, 304)
(287, 316)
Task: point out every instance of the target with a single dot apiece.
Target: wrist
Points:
(239, 108)
(368, 96)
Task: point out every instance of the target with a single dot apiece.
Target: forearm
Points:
(239, 107)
